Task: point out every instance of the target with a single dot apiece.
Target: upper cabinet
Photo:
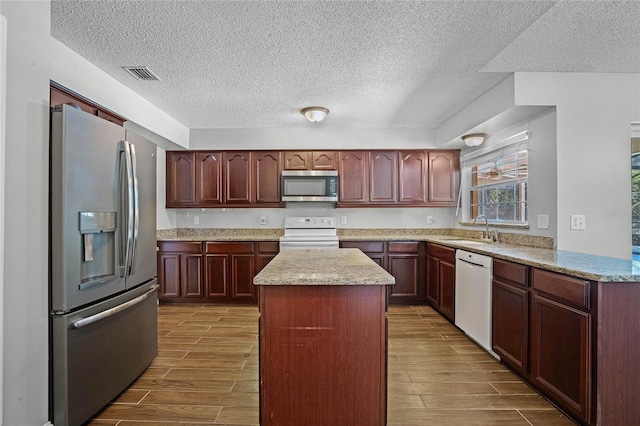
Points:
(366, 178)
(444, 177)
(59, 95)
(310, 160)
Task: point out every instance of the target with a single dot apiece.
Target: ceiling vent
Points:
(142, 73)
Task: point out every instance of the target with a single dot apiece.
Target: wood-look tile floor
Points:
(206, 373)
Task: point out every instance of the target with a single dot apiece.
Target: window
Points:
(499, 188)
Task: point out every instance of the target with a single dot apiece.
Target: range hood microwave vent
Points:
(142, 73)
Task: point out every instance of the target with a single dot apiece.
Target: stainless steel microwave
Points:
(309, 185)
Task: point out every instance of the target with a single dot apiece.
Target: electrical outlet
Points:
(543, 221)
(196, 220)
(263, 220)
(343, 220)
(430, 220)
(578, 221)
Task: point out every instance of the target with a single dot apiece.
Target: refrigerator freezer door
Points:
(84, 171)
(144, 258)
(98, 351)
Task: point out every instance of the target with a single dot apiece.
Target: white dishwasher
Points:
(473, 296)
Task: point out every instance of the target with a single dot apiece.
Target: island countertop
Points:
(324, 266)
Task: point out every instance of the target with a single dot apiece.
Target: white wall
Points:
(25, 380)
(594, 115)
(308, 138)
(76, 73)
(542, 196)
(165, 218)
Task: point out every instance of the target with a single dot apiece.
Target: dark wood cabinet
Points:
(238, 177)
(229, 271)
(441, 279)
(181, 179)
(402, 259)
(510, 314)
(180, 273)
(265, 252)
(406, 263)
(59, 95)
(383, 176)
(267, 169)
(412, 180)
(443, 177)
(353, 177)
(208, 177)
(310, 160)
(561, 340)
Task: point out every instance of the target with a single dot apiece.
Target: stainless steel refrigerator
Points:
(103, 282)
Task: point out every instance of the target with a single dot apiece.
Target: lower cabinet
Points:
(441, 279)
(510, 314)
(561, 340)
(180, 270)
(211, 272)
(402, 259)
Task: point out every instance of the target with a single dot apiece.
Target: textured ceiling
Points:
(255, 64)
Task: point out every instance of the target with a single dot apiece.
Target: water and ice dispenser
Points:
(98, 231)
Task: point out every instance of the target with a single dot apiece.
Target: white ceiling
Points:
(378, 64)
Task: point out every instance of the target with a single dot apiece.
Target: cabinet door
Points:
(169, 275)
(560, 354)
(448, 289)
(208, 177)
(444, 176)
(510, 313)
(191, 265)
(353, 177)
(238, 177)
(323, 160)
(297, 160)
(433, 281)
(267, 177)
(383, 176)
(181, 187)
(403, 261)
(216, 275)
(242, 273)
(265, 252)
(412, 186)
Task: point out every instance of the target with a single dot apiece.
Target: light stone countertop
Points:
(524, 249)
(324, 266)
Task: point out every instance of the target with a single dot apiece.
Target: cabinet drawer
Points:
(511, 272)
(268, 246)
(228, 248)
(365, 246)
(404, 247)
(562, 287)
(180, 246)
(444, 253)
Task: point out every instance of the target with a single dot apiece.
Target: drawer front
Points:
(180, 246)
(444, 253)
(404, 247)
(268, 247)
(562, 287)
(511, 272)
(365, 246)
(228, 248)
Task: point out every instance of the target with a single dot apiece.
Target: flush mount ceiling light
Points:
(315, 114)
(474, 139)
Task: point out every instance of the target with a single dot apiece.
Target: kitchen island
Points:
(323, 338)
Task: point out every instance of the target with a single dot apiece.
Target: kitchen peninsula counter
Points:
(323, 338)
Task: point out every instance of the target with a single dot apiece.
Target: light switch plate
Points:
(578, 221)
(543, 221)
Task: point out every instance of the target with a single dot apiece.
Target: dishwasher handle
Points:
(471, 263)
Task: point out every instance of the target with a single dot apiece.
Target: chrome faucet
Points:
(486, 221)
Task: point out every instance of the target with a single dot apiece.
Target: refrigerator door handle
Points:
(127, 206)
(135, 208)
(110, 312)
